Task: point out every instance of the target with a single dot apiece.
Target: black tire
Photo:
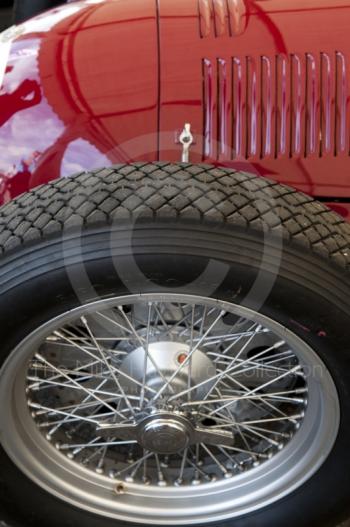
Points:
(24, 9)
(181, 216)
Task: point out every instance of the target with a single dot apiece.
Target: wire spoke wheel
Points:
(167, 397)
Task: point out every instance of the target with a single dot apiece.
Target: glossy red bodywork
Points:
(264, 83)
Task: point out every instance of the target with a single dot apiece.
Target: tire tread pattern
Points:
(167, 191)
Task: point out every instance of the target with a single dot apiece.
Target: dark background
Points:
(5, 14)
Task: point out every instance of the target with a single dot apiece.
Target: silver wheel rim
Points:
(170, 466)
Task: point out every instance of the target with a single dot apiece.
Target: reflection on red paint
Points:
(343, 209)
(81, 89)
(27, 94)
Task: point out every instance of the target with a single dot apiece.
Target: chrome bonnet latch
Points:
(186, 139)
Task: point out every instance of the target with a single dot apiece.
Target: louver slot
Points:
(221, 17)
(280, 106)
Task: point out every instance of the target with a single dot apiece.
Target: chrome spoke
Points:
(97, 444)
(145, 348)
(73, 412)
(250, 392)
(146, 354)
(108, 366)
(86, 390)
(60, 412)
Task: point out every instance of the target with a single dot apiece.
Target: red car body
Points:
(265, 85)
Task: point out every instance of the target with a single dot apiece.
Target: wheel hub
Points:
(164, 359)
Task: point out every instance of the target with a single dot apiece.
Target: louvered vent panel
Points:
(256, 107)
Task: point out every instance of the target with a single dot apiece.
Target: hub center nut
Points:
(165, 436)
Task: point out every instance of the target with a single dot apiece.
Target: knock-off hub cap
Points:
(165, 435)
